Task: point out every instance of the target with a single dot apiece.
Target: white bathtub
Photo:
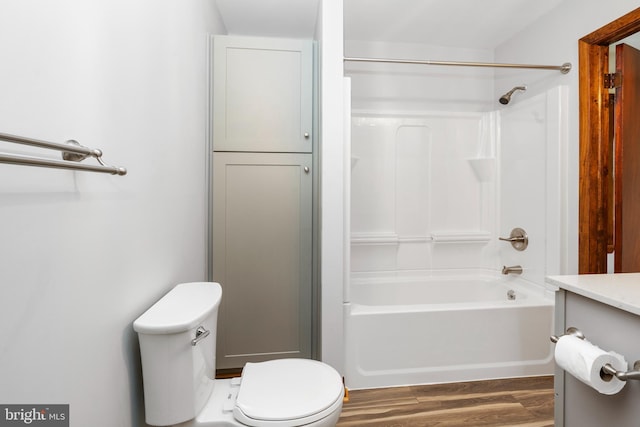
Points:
(435, 329)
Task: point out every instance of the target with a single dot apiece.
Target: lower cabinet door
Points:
(262, 255)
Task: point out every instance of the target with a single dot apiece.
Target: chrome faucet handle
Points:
(518, 238)
(512, 239)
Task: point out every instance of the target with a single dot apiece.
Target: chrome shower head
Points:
(504, 99)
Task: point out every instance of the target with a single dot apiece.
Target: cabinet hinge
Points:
(612, 80)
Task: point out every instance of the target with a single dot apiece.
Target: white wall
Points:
(82, 255)
(332, 210)
(554, 40)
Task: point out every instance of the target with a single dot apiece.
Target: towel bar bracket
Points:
(75, 157)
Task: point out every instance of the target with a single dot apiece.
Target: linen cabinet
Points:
(263, 192)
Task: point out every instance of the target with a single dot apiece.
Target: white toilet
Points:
(177, 345)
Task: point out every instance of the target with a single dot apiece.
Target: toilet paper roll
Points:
(585, 360)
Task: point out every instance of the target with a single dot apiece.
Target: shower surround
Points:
(422, 186)
(439, 170)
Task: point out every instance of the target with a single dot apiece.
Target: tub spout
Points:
(515, 269)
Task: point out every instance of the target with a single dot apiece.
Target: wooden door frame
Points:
(593, 58)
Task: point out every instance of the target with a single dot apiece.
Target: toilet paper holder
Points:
(570, 331)
(607, 370)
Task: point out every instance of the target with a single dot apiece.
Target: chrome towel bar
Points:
(72, 154)
(14, 159)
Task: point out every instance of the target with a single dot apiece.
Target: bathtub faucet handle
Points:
(515, 269)
(512, 239)
(518, 239)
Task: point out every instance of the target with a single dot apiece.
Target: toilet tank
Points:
(177, 375)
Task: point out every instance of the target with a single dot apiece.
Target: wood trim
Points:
(609, 172)
(615, 31)
(592, 235)
(228, 373)
(593, 57)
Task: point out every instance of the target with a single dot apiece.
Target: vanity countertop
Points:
(621, 290)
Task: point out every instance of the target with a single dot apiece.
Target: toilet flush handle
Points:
(201, 333)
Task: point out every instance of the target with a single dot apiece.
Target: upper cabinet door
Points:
(262, 94)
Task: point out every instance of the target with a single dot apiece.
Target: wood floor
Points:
(519, 402)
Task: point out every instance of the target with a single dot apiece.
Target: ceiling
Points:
(270, 18)
(482, 24)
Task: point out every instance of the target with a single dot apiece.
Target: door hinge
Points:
(612, 80)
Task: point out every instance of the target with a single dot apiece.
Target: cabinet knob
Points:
(306, 169)
(306, 135)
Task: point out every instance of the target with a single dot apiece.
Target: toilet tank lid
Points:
(181, 309)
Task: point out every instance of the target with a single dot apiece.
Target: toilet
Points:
(177, 347)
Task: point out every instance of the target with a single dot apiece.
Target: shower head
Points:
(504, 99)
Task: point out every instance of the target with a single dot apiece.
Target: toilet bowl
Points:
(177, 346)
(278, 393)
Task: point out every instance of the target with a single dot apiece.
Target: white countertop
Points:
(621, 290)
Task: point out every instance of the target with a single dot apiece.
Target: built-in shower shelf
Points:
(390, 238)
(386, 239)
(460, 236)
(379, 238)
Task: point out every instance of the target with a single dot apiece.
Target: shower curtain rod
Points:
(564, 68)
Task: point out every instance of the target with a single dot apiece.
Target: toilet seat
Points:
(287, 393)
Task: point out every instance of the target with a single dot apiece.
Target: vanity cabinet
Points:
(262, 193)
(606, 309)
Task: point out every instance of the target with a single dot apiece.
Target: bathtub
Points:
(404, 330)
